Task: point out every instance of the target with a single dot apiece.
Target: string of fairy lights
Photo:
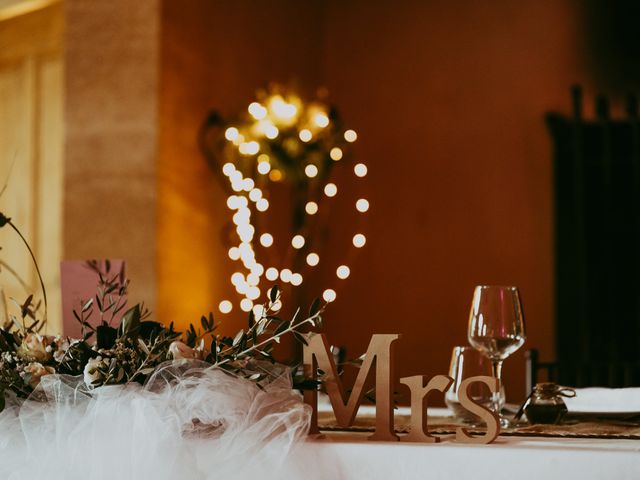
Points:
(269, 119)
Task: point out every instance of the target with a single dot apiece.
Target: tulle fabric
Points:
(189, 421)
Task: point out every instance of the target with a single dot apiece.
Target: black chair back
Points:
(597, 236)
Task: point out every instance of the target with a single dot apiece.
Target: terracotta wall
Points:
(214, 55)
(448, 101)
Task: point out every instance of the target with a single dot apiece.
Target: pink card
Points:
(78, 284)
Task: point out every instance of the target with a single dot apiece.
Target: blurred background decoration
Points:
(101, 103)
(282, 145)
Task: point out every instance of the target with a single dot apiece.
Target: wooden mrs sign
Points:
(317, 355)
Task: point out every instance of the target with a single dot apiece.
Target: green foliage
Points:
(128, 347)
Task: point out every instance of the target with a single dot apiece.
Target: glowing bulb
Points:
(282, 109)
(266, 240)
(329, 295)
(343, 272)
(253, 293)
(253, 279)
(360, 169)
(245, 232)
(313, 259)
(234, 253)
(235, 176)
(297, 241)
(330, 190)
(264, 167)
(335, 153)
(249, 148)
(262, 204)
(231, 134)
(305, 135)
(292, 110)
(258, 311)
(271, 131)
(359, 240)
(246, 305)
(296, 279)
(276, 306)
(257, 111)
(258, 269)
(228, 168)
(233, 202)
(237, 278)
(311, 171)
(275, 175)
(241, 217)
(271, 274)
(350, 136)
(248, 184)
(225, 306)
(311, 208)
(362, 205)
(321, 120)
(285, 275)
(255, 194)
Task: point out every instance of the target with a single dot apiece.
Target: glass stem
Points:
(496, 367)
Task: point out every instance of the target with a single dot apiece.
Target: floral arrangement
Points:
(121, 345)
(292, 145)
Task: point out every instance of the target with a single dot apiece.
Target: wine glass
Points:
(468, 362)
(496, 329)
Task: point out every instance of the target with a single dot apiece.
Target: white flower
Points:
(36, 371)
(62, 345)
(179, 351)
(34, 346)
(91, 373)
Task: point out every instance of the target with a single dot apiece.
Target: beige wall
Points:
(79, 123)
(31, 139)
(111, 133)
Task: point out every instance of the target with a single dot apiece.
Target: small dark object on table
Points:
(545, 404)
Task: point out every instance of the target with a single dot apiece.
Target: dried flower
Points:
(180, 351)
(34, 371)
(93, 371)
(34, 346)
(62, 345)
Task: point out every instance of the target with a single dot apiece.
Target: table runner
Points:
(442, 425)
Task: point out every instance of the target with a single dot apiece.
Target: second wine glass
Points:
(496, 329)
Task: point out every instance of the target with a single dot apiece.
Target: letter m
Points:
(317, 355)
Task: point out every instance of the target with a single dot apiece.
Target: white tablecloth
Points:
(351, 456)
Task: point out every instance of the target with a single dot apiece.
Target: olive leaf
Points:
(131, 321)
(273, 293)
(315, 307)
